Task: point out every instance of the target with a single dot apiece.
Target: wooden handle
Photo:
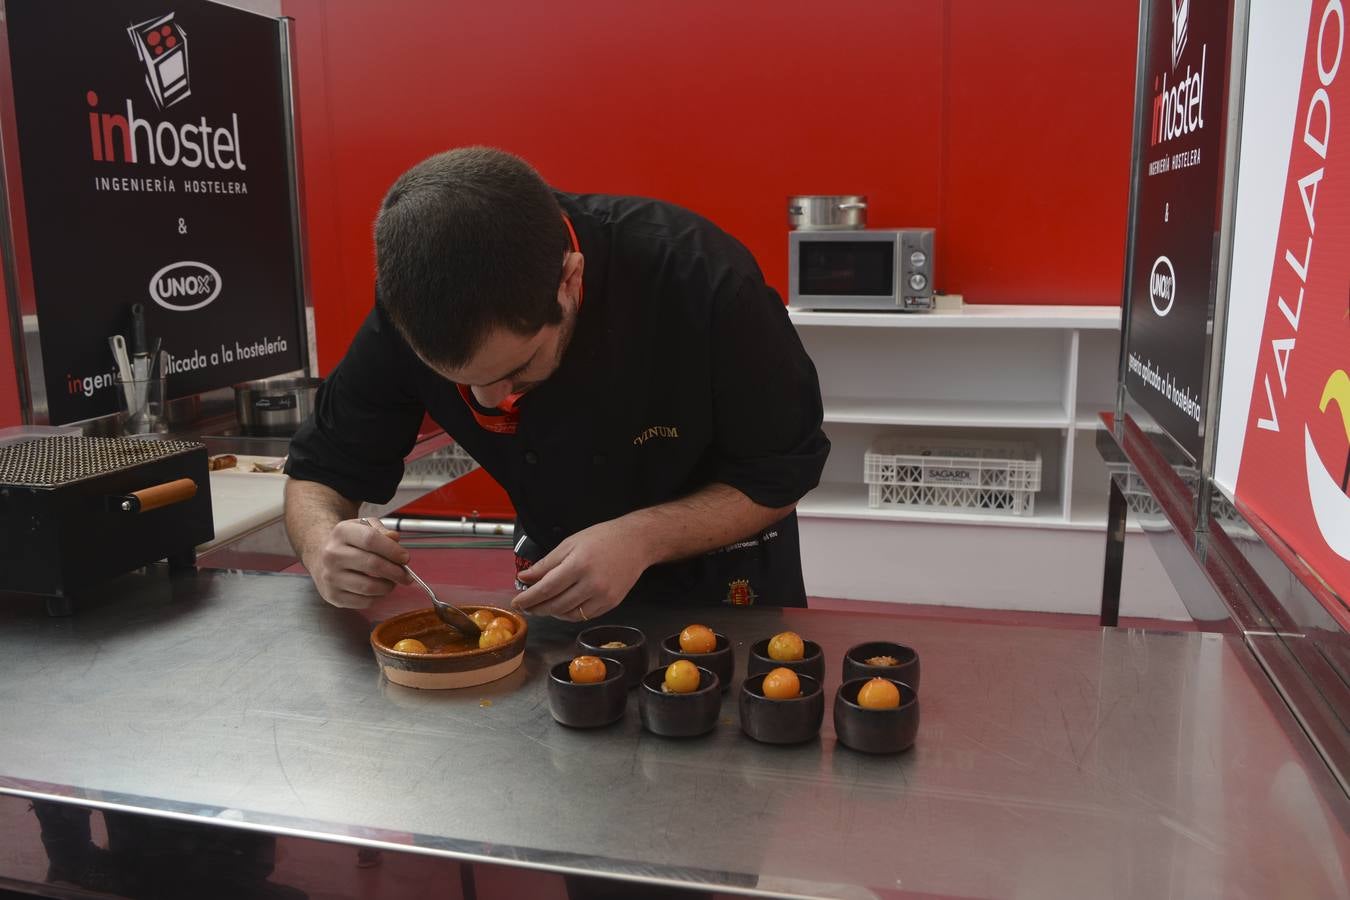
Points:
(166, 494)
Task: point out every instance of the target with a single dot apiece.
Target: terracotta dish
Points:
(451, 661)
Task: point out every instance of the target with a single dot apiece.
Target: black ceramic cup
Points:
(587, 705)
(875, 730)
(633, 656)
(905, 670)
(781, 721)
(679, 715)
(720, 660)
(812, 662)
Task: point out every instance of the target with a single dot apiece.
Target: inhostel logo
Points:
(161, 45)
(1181, 16)
(1179, 109)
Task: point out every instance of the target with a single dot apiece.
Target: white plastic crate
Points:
(953, 474)
(1140, 500)
(438, 468)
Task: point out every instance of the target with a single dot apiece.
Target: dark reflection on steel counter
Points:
(157, 858)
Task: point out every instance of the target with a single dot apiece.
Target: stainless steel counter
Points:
(1049, 763)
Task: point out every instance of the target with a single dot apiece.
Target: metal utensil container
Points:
(275, 405)
(826, 212)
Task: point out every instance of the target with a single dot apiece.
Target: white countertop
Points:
(243, 501)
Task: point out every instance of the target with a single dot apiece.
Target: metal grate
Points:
(48, 462)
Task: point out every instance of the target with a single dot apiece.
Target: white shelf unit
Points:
(948, 414)
(1037, 373)
(1024, 370)
(985, 315)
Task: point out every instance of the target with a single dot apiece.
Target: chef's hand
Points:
(587, 575)
(359, 563)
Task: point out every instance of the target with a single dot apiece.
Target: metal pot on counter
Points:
(822, 212)
(275, 406)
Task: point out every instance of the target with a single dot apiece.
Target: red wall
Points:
(1036, 150)
(1006, 126)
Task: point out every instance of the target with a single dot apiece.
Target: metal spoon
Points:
(453, 616)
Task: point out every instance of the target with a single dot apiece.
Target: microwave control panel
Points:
(916, 269)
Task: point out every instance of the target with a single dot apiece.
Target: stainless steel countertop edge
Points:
(425, 845)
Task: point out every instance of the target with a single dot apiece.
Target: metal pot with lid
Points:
(275, 406)
(822, 212)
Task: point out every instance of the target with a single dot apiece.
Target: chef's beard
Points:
(566, 328)
(565, 332)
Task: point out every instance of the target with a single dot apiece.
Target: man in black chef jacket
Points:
(618, 364)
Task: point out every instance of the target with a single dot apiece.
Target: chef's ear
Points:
(571, 277)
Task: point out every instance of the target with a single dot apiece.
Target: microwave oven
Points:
(867, 269)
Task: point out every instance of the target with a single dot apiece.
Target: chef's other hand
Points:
(586, 576)
(359, 563)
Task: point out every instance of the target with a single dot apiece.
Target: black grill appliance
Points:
(76, 511)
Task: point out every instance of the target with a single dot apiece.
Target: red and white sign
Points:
(1284, 432)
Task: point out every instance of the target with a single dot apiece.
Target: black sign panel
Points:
(1180, 177)
(152, 146)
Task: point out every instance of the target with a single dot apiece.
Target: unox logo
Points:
(161, 45)
(185, 286)
(1162, 286)
(1181, 15)
(1179, 110)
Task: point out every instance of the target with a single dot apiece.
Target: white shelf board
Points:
(944, 413)
(1087, 418)
(840, 500)
(989, 315)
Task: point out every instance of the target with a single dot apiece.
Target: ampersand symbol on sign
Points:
(182, 226)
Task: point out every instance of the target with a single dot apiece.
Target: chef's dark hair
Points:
(468, 241)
